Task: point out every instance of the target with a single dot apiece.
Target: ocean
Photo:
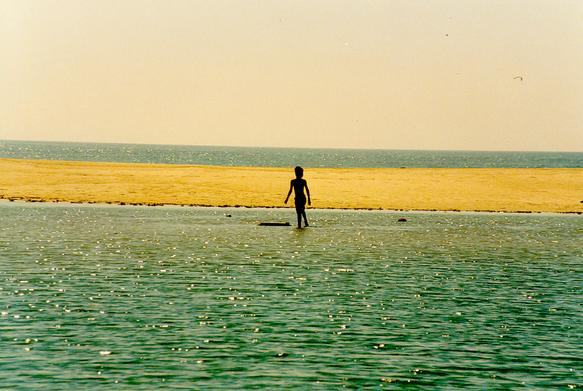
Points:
(284, 157)
(204, 298)
(130, 297)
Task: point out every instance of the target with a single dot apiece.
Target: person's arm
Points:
(308, 192)
(291, 186)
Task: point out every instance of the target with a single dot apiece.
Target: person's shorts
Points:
(300, 204)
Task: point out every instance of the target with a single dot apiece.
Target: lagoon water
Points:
(190, 298)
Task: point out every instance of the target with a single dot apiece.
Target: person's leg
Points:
(299, 213)
(305, 218)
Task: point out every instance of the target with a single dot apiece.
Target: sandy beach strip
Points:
(441, 189)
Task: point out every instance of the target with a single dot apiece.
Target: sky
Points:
(393, 74)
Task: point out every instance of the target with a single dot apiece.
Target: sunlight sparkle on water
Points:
(356, 300)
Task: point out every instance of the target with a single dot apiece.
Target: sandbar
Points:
(428, 189)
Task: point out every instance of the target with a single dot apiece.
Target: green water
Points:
(184, 298)
(282, 157)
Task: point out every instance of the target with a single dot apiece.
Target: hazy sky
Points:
(412, 74)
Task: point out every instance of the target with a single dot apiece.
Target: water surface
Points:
(142, 298)
(283, 157)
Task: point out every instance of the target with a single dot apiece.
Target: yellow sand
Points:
(468, 189)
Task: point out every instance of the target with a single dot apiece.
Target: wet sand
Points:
(443, 189)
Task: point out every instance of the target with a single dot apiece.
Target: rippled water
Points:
(91, 296)
(282, 157)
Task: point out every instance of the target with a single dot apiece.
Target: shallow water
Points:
(144, 298)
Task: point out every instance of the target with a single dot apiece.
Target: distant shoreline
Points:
(511, 190)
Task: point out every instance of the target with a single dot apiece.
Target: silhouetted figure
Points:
(298, 185)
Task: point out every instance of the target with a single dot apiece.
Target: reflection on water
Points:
(281, 157)
(186, 297)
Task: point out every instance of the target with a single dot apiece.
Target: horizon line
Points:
(291, 147)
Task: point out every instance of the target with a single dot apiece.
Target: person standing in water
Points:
(298, 185)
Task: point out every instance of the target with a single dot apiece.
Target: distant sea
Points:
(284, 157)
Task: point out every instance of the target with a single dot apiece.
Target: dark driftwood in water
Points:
(274, 224)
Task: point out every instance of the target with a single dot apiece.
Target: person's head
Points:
(299, 171)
